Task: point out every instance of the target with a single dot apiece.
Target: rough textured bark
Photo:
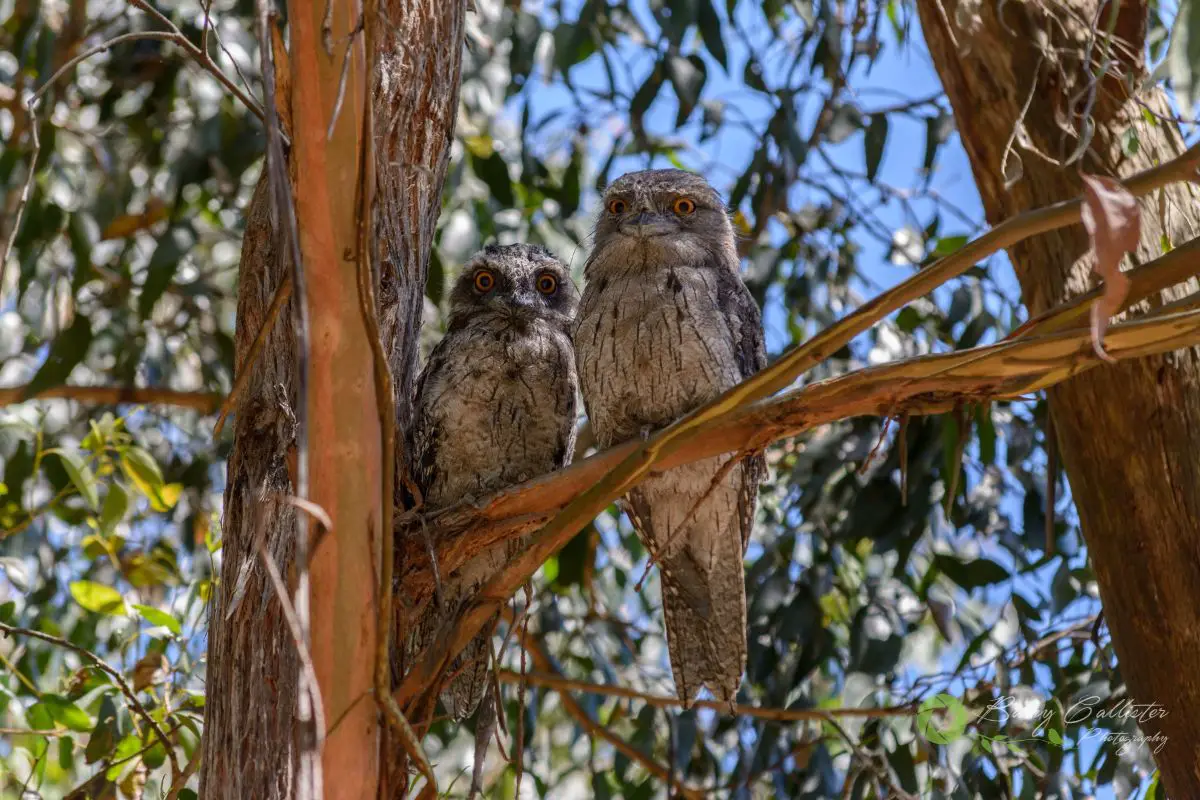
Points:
(1129, 434)
(249, 749)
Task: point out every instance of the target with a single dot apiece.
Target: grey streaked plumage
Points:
(665, 325)
(495, 405)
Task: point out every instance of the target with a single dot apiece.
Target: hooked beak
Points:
(523, 304)
(646, 225)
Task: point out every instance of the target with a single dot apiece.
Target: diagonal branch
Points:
(1055, 358)
(924, 385)
(103, 666)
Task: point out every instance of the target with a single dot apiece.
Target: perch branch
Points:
(924, 385)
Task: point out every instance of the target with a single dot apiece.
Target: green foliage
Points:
(870, 583)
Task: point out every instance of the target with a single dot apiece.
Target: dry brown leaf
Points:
(1114, 225)
(150, 670)
(129, 224)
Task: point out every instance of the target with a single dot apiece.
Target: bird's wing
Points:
(744, 322)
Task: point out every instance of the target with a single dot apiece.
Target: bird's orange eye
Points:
(617, 206)
(485, 281)
(683, 206)
(547, 283)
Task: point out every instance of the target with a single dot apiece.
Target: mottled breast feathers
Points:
(666, 325)
(495, 405)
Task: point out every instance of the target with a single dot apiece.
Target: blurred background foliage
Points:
(869, 585)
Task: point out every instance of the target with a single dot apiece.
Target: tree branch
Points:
(924, 385)
(561, 684)
(545, 663)
(201, 57)
(103, 666)
(204, 402)
(728, 422)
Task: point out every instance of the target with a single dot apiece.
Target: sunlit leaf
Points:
(156, 616)
(116, 504)
(141, 469)
(66, 713)
(98, 597)
(82, 477)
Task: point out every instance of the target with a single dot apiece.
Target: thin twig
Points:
(25, 192)
(342, 80)
(205, 26)
(542, 660)
(29, 732)
(561, 684)
(180, 783)
(879, 766)
(103, 666)
(200, 57)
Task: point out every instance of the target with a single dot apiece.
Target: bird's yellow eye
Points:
(617, 206)
(547, 283)
(683, 206)
(485, 281)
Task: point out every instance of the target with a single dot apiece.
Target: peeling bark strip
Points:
(1129, 434)
(252, 664)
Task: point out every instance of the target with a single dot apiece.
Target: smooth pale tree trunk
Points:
(1129, 435)
(251, 748)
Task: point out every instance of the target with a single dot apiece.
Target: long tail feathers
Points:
(485, 726)
(471, 677)
(706, 625)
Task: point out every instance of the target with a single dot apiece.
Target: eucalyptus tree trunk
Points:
(1129, 434)
(251, 743)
